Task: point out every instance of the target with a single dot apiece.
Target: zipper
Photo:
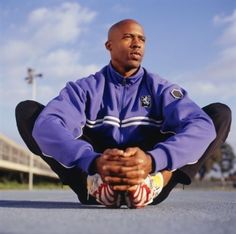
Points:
(122, 105)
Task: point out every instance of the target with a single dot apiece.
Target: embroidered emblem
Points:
(146, 101)
(177, 93)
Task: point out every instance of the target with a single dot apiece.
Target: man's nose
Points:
(136, 43)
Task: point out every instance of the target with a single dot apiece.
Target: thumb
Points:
(131, 151)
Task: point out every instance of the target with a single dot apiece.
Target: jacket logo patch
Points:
(176, 93)
(146, 101)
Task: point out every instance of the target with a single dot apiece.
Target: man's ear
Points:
(108, 45)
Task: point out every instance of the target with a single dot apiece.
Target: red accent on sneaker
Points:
(140, 197)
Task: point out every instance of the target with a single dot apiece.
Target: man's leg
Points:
(221, 117)
(26, 113)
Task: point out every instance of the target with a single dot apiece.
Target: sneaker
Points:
(103, 192)
(143, 194)
(177, 177)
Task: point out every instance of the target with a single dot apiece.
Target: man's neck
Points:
(126, 73)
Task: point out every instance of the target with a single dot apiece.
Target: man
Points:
(124, 136)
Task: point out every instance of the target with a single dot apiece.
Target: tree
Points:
(227, 158)
(222, 161)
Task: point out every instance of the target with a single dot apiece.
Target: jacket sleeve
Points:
(191, 131)
(59, 127)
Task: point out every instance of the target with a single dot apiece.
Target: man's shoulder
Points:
(163, 86)
(156, 80)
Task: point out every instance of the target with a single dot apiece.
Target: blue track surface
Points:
(56, 211)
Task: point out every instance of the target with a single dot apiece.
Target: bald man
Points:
(123, 136)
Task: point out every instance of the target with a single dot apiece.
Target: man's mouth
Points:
(136, 55)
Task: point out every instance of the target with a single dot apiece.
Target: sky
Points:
(189, 42)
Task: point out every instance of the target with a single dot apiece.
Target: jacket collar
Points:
(121, 80)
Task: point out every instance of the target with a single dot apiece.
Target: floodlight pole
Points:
(31, 79)
(34, 89)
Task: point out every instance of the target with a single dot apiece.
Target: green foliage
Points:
(9, 185)
(227, 158)
(223, 159)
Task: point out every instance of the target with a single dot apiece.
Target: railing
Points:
(14, 157)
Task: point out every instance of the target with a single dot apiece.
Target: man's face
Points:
(126, 45)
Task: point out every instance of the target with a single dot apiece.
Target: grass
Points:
(11, 185)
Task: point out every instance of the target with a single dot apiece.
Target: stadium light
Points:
(31, 80)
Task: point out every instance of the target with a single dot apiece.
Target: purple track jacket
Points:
(106, 110)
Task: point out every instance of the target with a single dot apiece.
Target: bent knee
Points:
(219, 110)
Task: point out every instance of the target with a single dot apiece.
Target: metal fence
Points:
(14, 157)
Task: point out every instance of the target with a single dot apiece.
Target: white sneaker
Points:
(103, 192)
(143, 194)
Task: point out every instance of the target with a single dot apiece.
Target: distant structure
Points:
(15, 158)
(31, 80)
(32, 75)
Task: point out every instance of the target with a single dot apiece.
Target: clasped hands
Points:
(123, 169)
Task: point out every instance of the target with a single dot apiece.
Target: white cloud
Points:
(59, 63)
(219, 76)
(14, 51)
(46, 41)
(62, 24)
(222, 19)
(217, 81)
(229, 34)
(223, 69)
(64, 65)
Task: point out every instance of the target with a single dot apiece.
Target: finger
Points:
(131, 161)
(128, 161)
(118, 169)
(112, 170)
(125, 172)
(123, 181)
(114, 152)
(106, 151)
(132, 188)
(111, 157)
(121, 188)
(130, 151)
(140, 174)
(124, 187)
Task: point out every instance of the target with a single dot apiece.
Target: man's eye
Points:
(142, 39)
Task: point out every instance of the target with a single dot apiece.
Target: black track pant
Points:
(27, 112)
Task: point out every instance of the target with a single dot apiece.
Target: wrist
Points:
(151, 163)
(93, 166)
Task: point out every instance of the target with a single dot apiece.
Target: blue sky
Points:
(190, 42)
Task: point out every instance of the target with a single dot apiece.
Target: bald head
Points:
(119, 25)
(126, 42)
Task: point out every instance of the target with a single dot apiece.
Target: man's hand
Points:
(109, 159)
(124, 169)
